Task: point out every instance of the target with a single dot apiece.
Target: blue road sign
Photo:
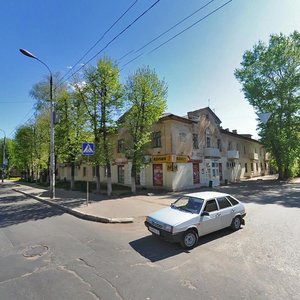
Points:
(88, 148)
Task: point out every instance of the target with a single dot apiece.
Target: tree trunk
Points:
(98, 187)
(109, 185)
(72, 176)
(280, 172)
(133, 177)
(133, 185)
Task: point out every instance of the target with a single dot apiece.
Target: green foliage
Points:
(146, 95)
(102, 95)
(41, 92)
(71, 131)
(24, 147)
(9, 153)
(270, 76)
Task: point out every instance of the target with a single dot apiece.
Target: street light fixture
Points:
(52, 157)
(3, 161)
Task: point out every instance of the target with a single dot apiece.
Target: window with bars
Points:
(121, 146)
(121, 174)
(156, 139)
(195, 141)
(208, 142)
(219, 142)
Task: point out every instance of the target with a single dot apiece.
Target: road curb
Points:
(77, 213)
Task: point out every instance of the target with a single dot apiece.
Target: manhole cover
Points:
(34, 251)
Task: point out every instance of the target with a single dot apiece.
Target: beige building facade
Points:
(186, 152)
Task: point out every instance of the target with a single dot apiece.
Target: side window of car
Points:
(223, 202)
(210, 206)
(232, 200)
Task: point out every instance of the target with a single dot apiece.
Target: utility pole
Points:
(52, 155)
(3, 160)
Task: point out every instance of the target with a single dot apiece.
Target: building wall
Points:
(219, 157)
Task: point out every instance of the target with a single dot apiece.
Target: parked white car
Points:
(194, 215)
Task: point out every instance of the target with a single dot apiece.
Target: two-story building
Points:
(188, 152)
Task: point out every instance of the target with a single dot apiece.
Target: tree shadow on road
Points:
(260, 192)
(265, 192)
(16, 210)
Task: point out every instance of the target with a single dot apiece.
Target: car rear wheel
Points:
(236, 223)
(189, 239)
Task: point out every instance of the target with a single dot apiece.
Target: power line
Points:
(100, 39)
(181, 32)
(189, 27)
(8, 102)
(153, 50)
(21, 122)
(111, 41)
(135, 58)
(119, 59)
(175, 25)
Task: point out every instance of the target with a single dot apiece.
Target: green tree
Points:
(146, 95)
(41, 93)
(24, 153)
(101, 92)
(41, 140)
(9, 154)
(71, 130)
(270, 76)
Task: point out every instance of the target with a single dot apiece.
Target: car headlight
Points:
(168, 228)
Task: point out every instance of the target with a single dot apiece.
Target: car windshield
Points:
(189, 204)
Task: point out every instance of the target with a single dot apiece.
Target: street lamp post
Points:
(52, 156)
(3, 161)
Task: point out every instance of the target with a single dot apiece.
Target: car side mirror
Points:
(204, 213)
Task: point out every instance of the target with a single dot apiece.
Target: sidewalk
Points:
(100, 208)
(109, 210)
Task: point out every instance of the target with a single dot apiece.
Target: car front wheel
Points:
(189, 239)
(236, 223)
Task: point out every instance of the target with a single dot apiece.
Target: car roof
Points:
(207, 195)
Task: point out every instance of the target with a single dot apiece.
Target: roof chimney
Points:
(234, 131)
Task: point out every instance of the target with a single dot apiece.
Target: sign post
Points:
(88, 149)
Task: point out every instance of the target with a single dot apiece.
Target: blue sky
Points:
(198, 65)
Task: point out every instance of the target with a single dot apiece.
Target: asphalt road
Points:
(45, 254)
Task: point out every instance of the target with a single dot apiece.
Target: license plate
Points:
(154, 230)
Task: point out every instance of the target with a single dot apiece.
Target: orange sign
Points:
(170, 158)
(163, 158)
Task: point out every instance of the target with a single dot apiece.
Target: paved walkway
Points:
(102, 208)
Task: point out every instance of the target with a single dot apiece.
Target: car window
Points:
(223, 202)
(190, 204)
(232, 200)
(210, 206)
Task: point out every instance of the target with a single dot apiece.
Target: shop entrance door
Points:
(196, 174)
(157, 174)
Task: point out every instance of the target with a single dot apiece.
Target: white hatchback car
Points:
(194, 215)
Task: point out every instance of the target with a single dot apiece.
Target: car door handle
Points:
(218, 215)
(233, 210)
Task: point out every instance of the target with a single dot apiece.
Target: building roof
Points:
(169, 116)
(204, 110)
(242, 136)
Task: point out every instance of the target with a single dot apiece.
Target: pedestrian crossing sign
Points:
(88, 148)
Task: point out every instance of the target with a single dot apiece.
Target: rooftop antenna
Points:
(208, 102)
